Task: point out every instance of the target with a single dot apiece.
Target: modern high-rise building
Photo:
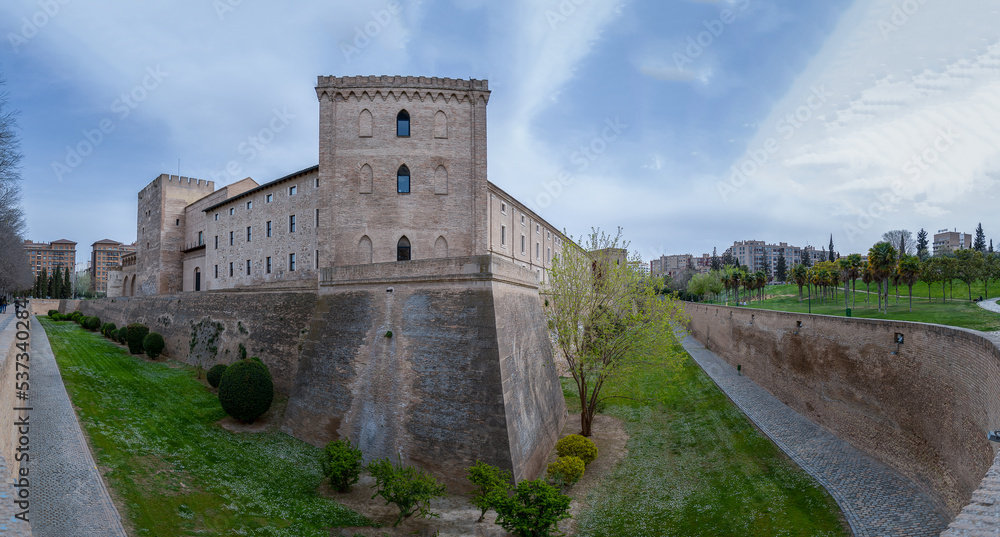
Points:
(105, 255)
(49, 255)
(946, 242)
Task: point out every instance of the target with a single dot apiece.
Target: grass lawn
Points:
(958, 312)
(696, 466)
(153, 430)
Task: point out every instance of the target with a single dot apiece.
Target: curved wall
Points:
(923, 407)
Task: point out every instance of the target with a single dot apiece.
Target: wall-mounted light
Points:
(993, 436)
(899, 341)
(798, 326)
(751, 319)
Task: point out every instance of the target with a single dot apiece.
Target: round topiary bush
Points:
(246, 390)
(215, 374)
(575, 445)
(92, 323)
(75, 317)
(122, 335)
(153, 344)
(110, 330)
(566, 470)
(53, 313)
(136, 333)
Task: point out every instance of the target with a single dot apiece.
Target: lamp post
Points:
(809, 286)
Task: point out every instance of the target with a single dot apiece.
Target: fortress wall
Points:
(924, 411)
(206, 328)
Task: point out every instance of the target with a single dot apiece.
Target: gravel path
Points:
(875, 499)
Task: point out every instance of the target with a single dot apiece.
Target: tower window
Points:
(268, 199)
(249, 205)
(232, 211)
(268, 265)
(292, 190)
(403, 180)
(230, 238)
(403, 124)
(230, 269)
(291, 224)
(248, 267)
(268, 228)
(403, 249)
(291, 262)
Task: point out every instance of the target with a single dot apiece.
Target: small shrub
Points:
(566, 470)
(75, 317)
(53, 313)
(342, 464)
(575, 445)
(410, 489)
(122, 335)
(215, 374)
(534, 509)
(153, 344)
(242, 352)
(246, 390)
(136, 333)
(110, 330)
(493, 484)
(92, 323)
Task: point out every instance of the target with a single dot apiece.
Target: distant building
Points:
(758, 255)
(106, 255)
(49, 255)
(947, 242)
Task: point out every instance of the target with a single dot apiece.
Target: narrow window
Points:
(548, 255)
(403, 180)
(248, 267)
(292, 190)
(538, 229)
(403, 124)
(503, 208)
(291, 262)
(268, 265)
(216, 244)
(440, 124)
(317, 218)
(317, 259)
(231, 238)
(178, 222)
(269, 198)
(249, 233)
(365, 124)
(503, 236)
(216, 272)
(216, 219)
(230, 269)
(538, 250)
(317, 182)
(522, 245)
(232, 211)
(522, 220)
(249, 205)
(201, 239)
(291, 224)
(403, 249)
(268, 228)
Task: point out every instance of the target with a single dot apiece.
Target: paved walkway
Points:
(876, 500)
(990, 304)
(72, 500)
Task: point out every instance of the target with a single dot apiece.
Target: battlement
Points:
(187, 181)
(407, 82)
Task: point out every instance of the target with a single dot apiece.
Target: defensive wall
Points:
(923, 406)
(444, 361)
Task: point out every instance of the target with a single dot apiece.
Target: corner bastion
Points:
(922, 406)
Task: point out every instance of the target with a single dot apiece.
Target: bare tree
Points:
(15, 273)
(901, 240)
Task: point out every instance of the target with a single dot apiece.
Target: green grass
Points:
(153, 429)
(952, 312)
(696, 466)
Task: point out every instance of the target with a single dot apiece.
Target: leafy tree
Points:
(603, 310)
(410, 489)
(979, 243)
(922, 251)
(534, 510)
(727, 258)
(969, 267)
(716, 263)
(930, 272)
(342, 463)
(909, 272)
(831, 248)
(67, 289)
(492, 485)
(948, 267)
(806, 258)
(43, 284)
(901, 240)
(782, 269)
(882, 261)
(991, 271)
(800, 274)
(57, 281)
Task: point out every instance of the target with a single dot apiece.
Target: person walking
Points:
(3, 304)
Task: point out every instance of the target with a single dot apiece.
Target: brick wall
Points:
(924, 410)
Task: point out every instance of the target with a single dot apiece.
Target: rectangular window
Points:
(522, 244)
(538, 250)
(317, 259)
(291, 224)
(249, 205)
(201, 238)
(267, 267)
(548, 235)
(248, 267)
(317, 182)
(269, 198)
(503, 236)
(268, 228)
(292, 190)
(232, 210)
(291, 262)
(216, 271)
(216, 244)
(503, 208)
(216, 219)
(317, 218)
(231, 238)
(538, 229)
(230, 269)
(522, 220)
(249, 233)
(548, 255)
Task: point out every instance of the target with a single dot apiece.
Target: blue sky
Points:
(691, 124)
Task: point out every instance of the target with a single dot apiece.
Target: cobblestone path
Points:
(70, 494)
(876, 500)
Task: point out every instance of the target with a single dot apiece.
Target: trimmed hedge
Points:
(566, 470)
(136, 333)
(91, 323)
(576, 445)
(246, 390)
(215, 374)
(53, 313)
(153, 344)
(110, 330)
(122, 335)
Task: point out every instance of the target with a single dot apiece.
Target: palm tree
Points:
(760, 281)
(867, 279)
(855, 273)
(800, 276)
(844, 264)
(909, 272)
(735, 278)
(727, 280)
(882, 260)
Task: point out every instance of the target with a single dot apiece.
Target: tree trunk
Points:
(970, 290)
(911, 298)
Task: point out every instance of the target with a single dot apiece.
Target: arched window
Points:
(403, 180)
(403, 124)
(365, 250)
(441, 248)
(441, 180)
(365, 124)
(403, 249)
(132, 287)
(440, 125)
(197, 279)
(125, 287)
(366, 179)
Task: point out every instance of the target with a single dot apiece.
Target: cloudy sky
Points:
(691, 124)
